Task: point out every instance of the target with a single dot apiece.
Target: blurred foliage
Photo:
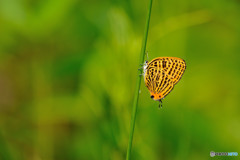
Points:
(68, 71)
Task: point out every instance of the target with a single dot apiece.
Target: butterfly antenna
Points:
(147, 55)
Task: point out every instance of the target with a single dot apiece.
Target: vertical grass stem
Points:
(136, 96)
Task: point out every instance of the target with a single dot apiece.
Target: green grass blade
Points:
(136, 96)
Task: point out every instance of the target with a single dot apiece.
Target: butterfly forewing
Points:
(163, 73)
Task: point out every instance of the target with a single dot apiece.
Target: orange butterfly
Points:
(161, 74)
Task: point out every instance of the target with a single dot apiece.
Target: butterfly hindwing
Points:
(163, 73)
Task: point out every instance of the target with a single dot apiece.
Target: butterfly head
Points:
(145, 65)
(156, 96)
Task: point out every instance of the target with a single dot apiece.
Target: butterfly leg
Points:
(140, 69)
(142, 66)
(160, 103)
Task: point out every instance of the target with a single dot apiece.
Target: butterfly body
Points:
(161, 74)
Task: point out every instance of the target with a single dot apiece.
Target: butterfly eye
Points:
(152, 96)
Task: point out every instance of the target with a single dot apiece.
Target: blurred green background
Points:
(68, 71)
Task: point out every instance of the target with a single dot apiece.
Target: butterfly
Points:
(161, 74)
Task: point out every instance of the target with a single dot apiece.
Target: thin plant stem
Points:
(136, 96)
